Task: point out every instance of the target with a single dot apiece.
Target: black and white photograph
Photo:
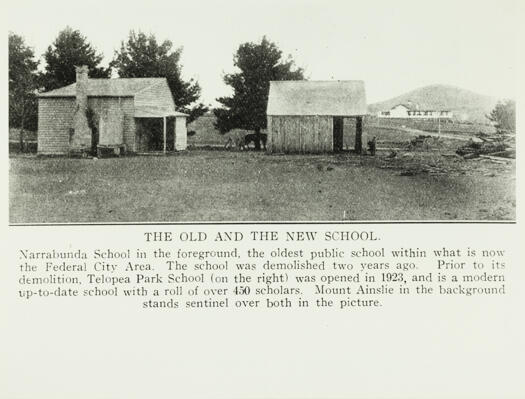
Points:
(263, 199)
(262, 112)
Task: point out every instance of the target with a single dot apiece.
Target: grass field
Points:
(207, 185)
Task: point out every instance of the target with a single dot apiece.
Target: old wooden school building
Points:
(307, 116)
(121, 112)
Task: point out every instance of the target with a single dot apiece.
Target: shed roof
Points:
(301, 97)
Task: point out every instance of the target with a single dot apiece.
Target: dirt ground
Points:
(213, 185)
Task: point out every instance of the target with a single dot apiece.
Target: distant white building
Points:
(409, 110)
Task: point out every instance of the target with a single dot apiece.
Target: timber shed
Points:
(122, 115)
(308, 116)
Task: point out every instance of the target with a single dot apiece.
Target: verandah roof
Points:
(154, 112)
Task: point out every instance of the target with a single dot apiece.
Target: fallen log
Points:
(509, 153)
(495, 159)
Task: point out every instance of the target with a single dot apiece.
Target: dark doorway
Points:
(359, 135)
(150, 135)
(338, 134)
(94, 139)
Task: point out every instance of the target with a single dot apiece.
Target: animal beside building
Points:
(243, 143)
(253, 138)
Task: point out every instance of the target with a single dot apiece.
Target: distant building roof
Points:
(410, 106)
(302, 97)
(401, 105)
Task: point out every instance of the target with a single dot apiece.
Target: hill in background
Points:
(465, 104)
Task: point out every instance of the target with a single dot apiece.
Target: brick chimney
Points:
(81, 139)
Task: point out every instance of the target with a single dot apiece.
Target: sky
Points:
(394, 46)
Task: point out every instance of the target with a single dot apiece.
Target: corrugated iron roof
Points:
(301, 97)
(401, 105)
(408, 105)
(120, 87)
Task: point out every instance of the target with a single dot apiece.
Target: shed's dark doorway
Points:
(338, 134)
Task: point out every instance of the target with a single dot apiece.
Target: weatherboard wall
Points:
(181, 134)
(55, 121)
(302, 134)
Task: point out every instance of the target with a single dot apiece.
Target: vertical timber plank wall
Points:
(287, 134)
(329, 143)
(324, 139)
(282, 133)
(279, 143)
(311, 128)
(303, 134)
(270, 134)
(55, 119)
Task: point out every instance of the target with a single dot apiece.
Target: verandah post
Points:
(164, 134)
